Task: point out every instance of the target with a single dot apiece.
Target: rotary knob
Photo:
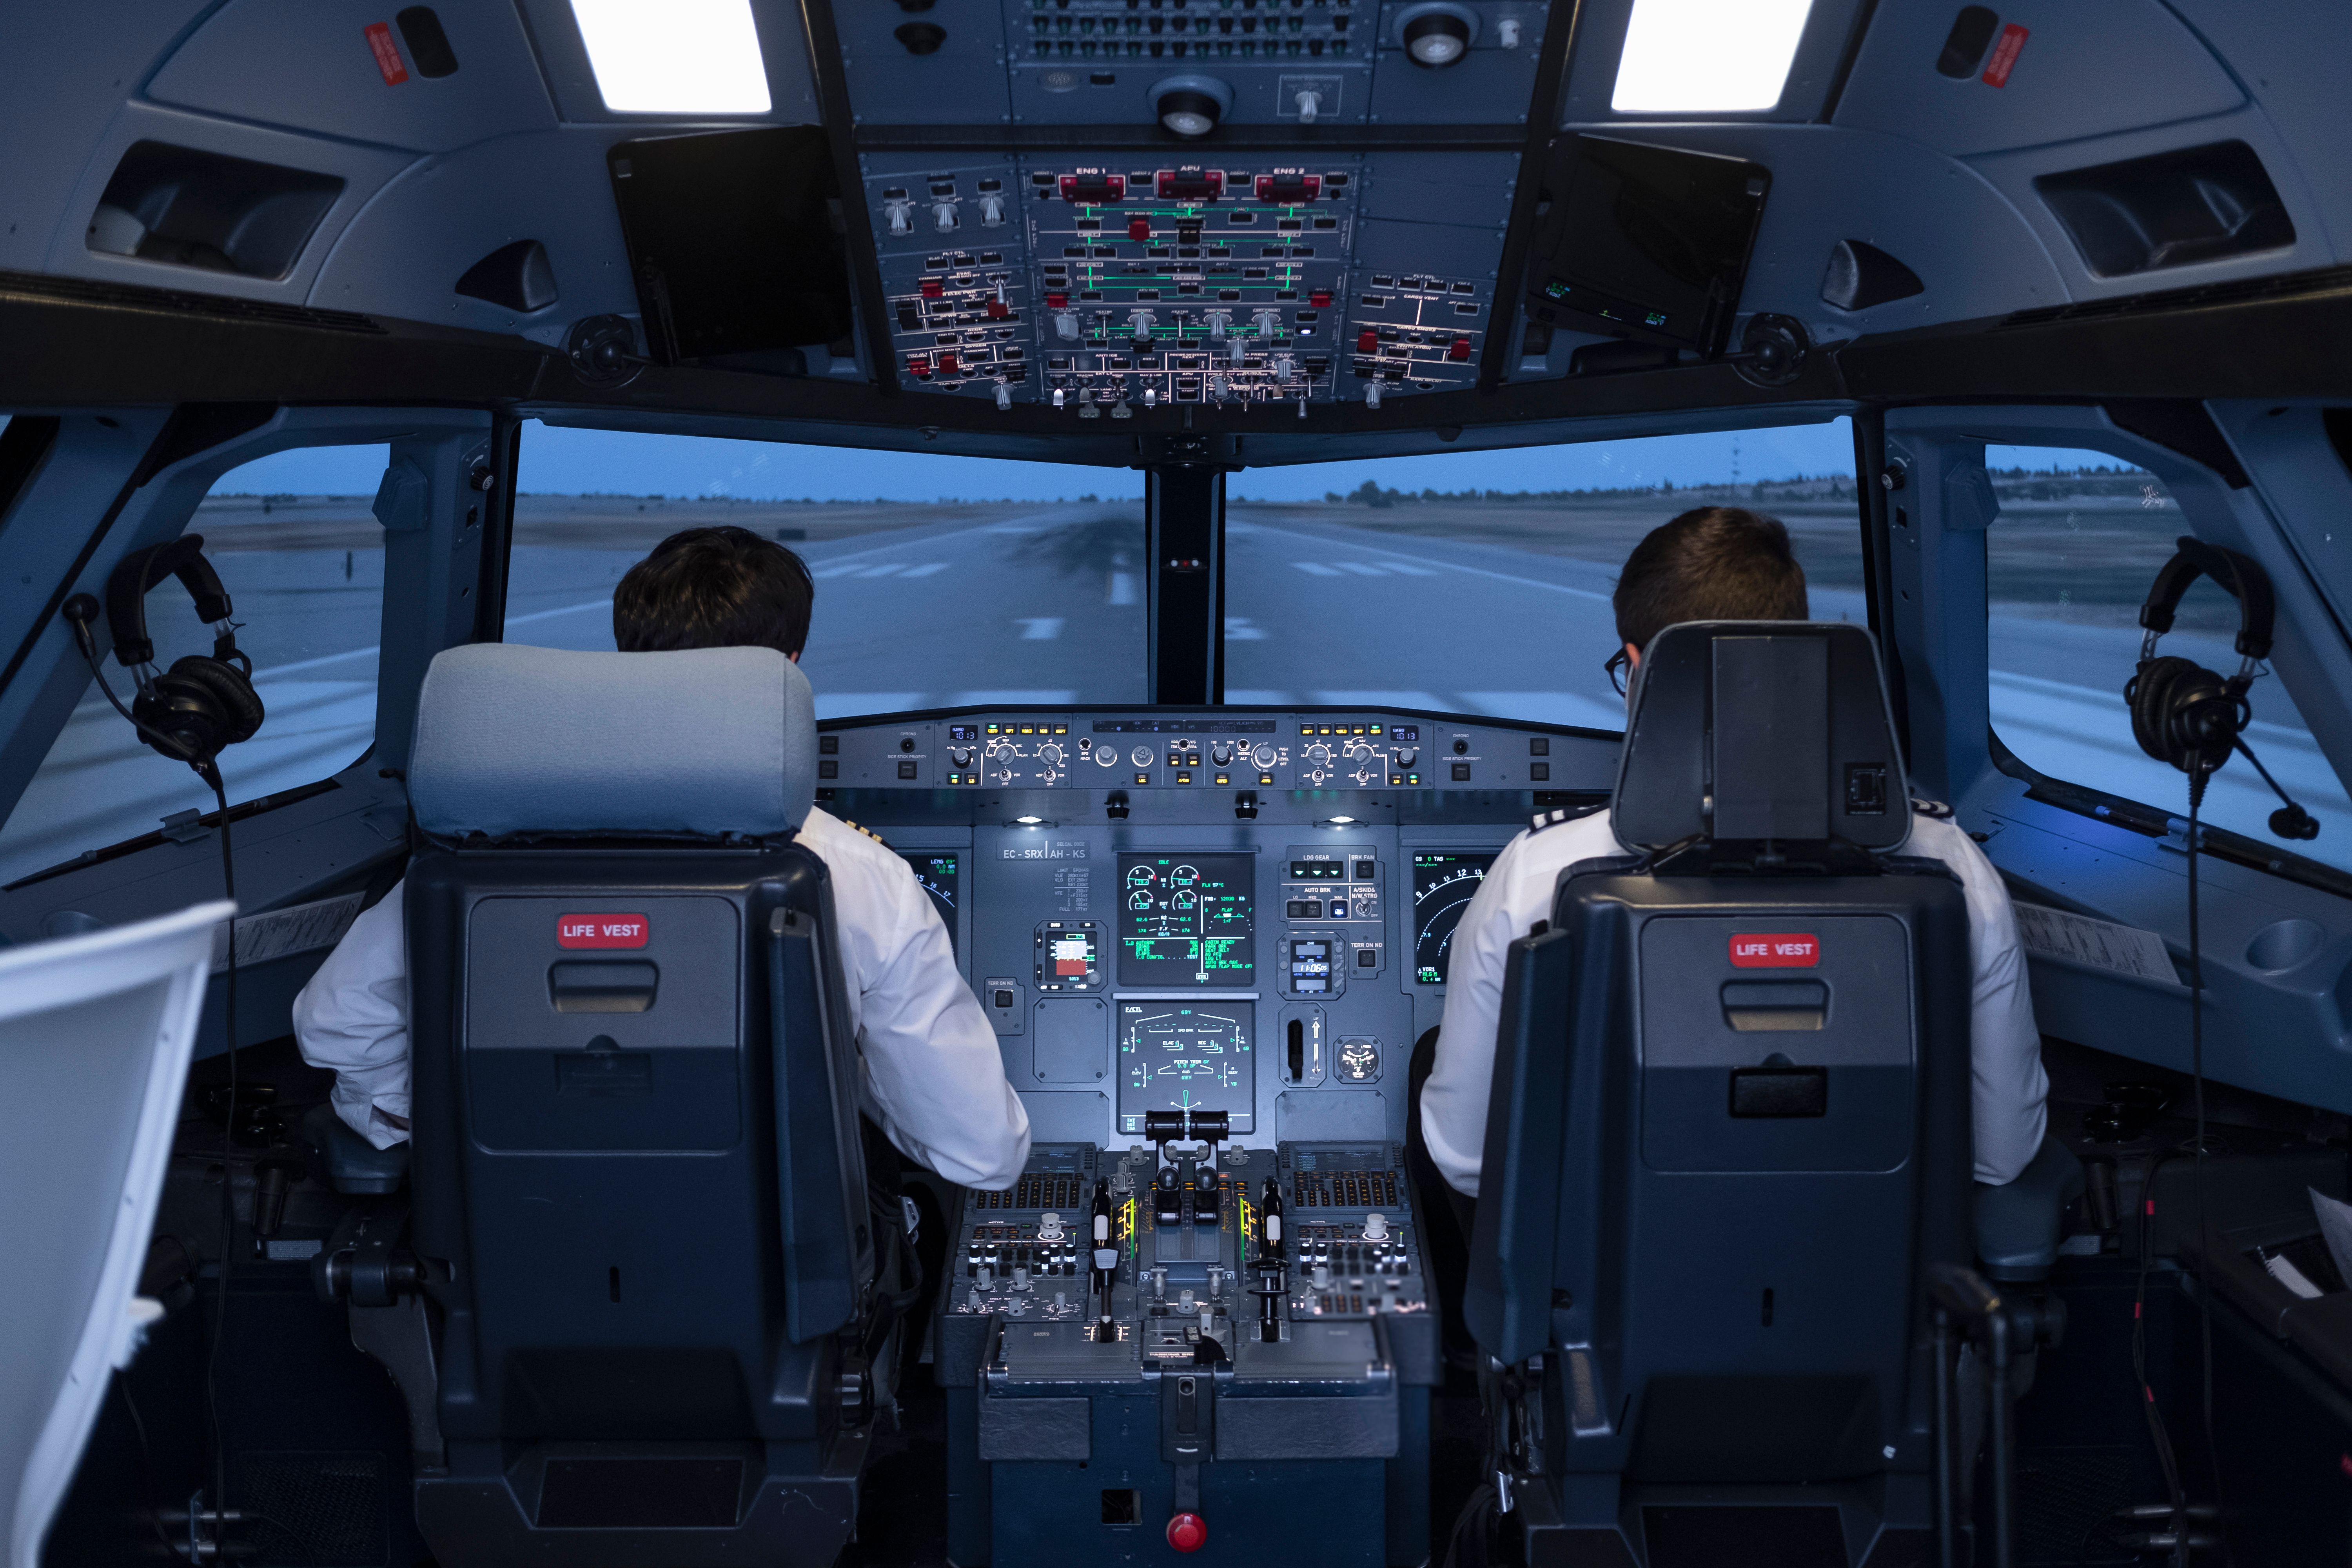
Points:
(1319, 753)
(1407, 757)
(1051, 754)
(1221, 754)
(1107, 757)
(960, 757)
(1264, 756)
(1140, 756)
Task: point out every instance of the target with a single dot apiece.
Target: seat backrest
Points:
(95, 1033)
(1729, 1122)
(635, 1128)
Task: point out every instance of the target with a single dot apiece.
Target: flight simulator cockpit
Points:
(1340, 782)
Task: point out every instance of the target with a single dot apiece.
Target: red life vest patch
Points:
(1776, 950)
(602, 931)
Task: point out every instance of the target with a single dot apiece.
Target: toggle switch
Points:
(1371, 394)
(943, 217)
(992, 211)
(1003, 395)
(1310, 103)
(901, 216)
(1506, 33)
(1140, 325)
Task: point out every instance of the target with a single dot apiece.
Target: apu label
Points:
(1776, 950)
(602, 931)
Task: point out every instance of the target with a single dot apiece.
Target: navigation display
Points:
(1444, 882)
(940, 877)
(1186, 1056)
(1187, 920)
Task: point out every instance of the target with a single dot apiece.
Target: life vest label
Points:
(1776, 950)
(602, 931)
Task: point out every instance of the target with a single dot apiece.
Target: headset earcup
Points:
(237, 705)
(2149, 694)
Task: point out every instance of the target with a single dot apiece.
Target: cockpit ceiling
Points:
(1061, 211)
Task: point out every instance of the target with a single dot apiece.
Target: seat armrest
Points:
(353, 1165)
(2018, 1222)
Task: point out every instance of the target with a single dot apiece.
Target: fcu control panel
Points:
(1234, 750)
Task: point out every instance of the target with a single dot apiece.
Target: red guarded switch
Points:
(1055, 302)
(1368, 341)
(1458, 349)
(1138, 229)
(919, 364)
(1319, 297)
(932, 288)
(998, 310)
(1188, 1532)
(947, 365)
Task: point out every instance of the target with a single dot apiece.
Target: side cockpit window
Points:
(2079, 537)
(940, 581)
(301, 558)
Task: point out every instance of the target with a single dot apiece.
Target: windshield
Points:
(941, 582)
(1479, 582)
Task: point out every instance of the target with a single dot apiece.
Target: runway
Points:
(1045, 607)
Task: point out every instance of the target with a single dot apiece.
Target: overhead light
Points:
(1191, 106)
(1437, 36)
(1032, 823)
(1337, 822)
(681, 57)
(1699, 56)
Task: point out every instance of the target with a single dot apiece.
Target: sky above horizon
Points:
(563, 461)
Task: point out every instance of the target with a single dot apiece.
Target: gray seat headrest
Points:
(532, 739)
(1754, 731)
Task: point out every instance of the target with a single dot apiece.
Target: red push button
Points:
(1458, 349)
(1186, 1532)
(947, 365)
(1138, 229)
(1368, 341)
(932, 288)
(1055, 302)
(1319, 297)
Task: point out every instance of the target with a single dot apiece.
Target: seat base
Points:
(646, 1505)
(1595, 1521)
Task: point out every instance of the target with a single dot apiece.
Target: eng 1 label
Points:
(1776, 950)
(602, 931)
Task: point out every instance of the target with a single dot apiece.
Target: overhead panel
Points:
(1203, 211)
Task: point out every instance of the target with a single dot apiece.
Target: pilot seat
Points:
(641, 1227)
(1729, 1135)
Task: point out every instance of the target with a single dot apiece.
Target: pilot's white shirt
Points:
(2010, 1088)
(933, 1078)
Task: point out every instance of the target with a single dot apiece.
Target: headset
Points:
(2192, 717)
(203, 703)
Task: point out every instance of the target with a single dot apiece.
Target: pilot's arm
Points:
(934, 1078)
(354, 1017)
(2008, 1091)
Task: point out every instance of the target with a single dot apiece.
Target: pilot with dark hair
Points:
(1719, 564)
(933, 1079)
